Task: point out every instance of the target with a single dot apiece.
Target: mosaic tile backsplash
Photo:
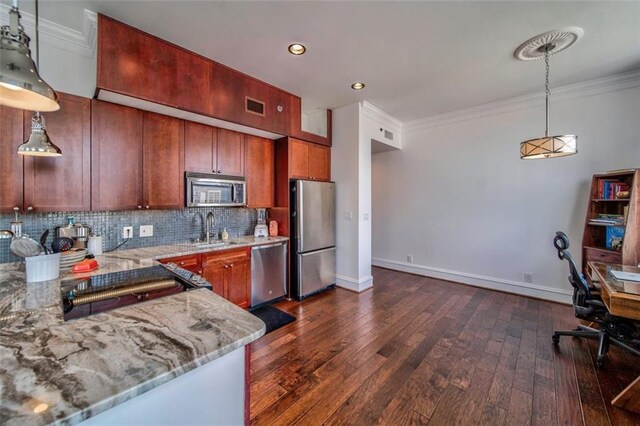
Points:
(169, 226)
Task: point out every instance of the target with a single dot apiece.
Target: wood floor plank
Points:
(417, 350)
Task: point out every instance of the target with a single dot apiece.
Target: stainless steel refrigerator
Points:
(313, 237)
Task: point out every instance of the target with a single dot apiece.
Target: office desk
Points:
(622, 299)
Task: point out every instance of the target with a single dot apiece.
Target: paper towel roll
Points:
(95, 245)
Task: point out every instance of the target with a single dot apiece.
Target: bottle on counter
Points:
(225, 234)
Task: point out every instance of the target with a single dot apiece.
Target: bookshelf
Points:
(612, 225)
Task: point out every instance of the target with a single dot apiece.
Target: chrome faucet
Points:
(209, 225)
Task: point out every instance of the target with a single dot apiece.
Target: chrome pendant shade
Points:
(20, 84)
(543, 46)
(39, 144)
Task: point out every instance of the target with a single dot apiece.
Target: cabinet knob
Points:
(139, 207)
(30, 208)
(181, 263)
(231, 266)
(219, 171)
(226, 266)
(146, 207)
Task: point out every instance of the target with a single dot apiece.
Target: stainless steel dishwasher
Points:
(268, 272)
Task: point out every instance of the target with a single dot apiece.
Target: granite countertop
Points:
(57, 371)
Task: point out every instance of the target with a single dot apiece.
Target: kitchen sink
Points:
(215, 244)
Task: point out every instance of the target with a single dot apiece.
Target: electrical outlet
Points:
(146, 230)
(410, 258)
(127, 232)
(528, 277)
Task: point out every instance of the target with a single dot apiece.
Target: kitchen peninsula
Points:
(56, 371)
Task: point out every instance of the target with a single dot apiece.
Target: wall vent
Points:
(254, 106)
(388, 135)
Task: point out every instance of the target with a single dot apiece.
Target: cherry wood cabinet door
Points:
(11, 164)
(163, 161)
(116, 157)
(200, 142)
(62, 183)
(230, 153)
(298, 159)
(260, 165)
(319, 162)
(213, 270)
(190, 262)
(239, 282)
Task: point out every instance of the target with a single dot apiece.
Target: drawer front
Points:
(604, 256)
(226, 256)
(190, 263)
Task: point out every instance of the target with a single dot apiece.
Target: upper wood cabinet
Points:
(47, 183)
(134, 63)
(309, 161)
(61, 183)
(260, 157)
(137, 64)
(11, 164)
(212, 150)
(163, 162)
(296, 124)
(116, 157)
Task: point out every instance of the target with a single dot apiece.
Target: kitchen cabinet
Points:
(212, 150)
(60, 183)
(259, 159)
(134, 63)
(229, 272)
(297, 123)
(309, 161)
(163, 162)
(47, 183)
(11, 164)
(191, 263)
(139, 65)
(116, 157)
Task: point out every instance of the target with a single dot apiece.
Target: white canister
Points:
(94, 246)
(43, 267)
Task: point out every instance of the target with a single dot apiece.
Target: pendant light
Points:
(20, 84)
(39, 143)
(542, 47)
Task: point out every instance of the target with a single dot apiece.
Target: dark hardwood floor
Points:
(415, 350)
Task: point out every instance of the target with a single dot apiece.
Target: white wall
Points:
(458, 198)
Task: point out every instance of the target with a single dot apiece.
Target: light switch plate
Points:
(146, 230)
(348, 215)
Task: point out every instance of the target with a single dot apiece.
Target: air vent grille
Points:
(254, 106)
(388, 135)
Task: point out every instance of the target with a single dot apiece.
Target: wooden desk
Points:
(622, 299)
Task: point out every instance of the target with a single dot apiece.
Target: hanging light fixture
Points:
(20, 84)
(542, 47)
(39, 143)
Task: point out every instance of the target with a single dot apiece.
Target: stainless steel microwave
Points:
(204, 190)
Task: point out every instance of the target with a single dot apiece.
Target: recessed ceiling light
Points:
(297, 49)
(358, 85)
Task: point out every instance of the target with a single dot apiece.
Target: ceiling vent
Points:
(387, 134)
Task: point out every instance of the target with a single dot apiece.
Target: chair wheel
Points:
(600, 362)
(556, 339)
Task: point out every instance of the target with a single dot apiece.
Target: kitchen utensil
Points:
(43, 268)
(61, 244)
(24, 246)
(95, 245)
(43, 241)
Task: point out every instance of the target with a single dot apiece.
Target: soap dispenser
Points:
(225, 234)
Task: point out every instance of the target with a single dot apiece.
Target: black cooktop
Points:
(82, 297)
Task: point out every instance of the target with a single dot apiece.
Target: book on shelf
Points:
(614, 237)
(608, 189)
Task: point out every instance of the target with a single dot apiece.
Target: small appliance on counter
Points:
(78, 232)
(261, 229)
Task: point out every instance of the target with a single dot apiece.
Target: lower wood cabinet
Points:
(191, 263)
(229, 273)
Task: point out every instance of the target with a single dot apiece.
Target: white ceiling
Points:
(417, 58)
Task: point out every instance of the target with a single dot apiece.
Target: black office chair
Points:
(588, 306)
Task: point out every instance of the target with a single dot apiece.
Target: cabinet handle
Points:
(146, 207)
(219, 171)
(181, 263)
(30, 208)
(139, 207)
(231, 265)
(226, 266)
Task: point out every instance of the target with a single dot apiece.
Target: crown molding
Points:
(613, 83)
(381, 117)
(81, 43)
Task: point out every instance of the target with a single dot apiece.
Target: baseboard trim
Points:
(508, 286)
(353, 284)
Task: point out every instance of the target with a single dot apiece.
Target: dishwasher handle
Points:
(266, 246)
